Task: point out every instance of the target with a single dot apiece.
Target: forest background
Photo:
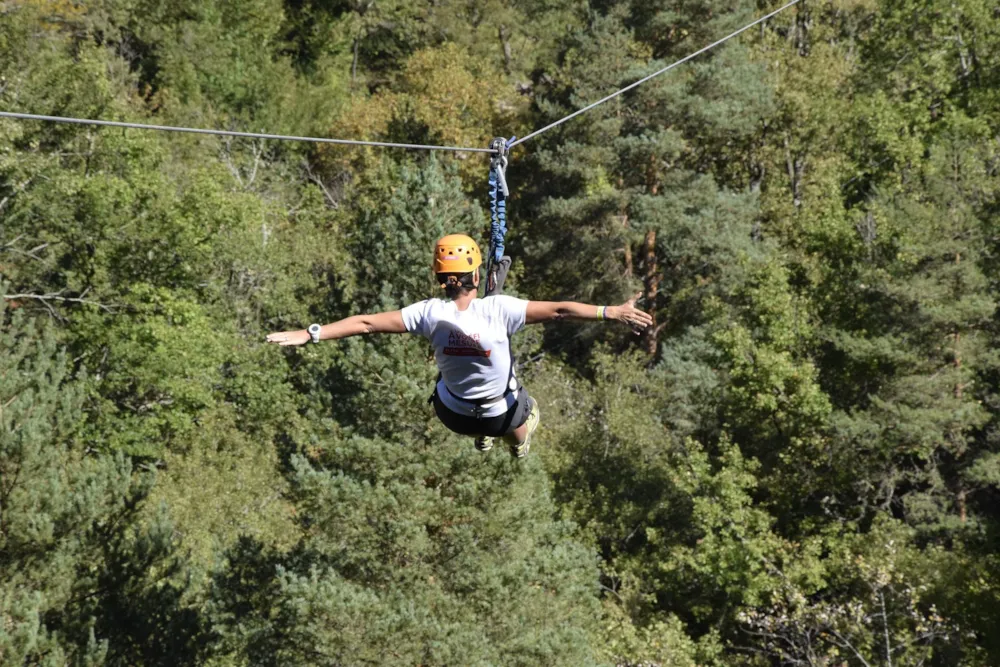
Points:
(799, 464)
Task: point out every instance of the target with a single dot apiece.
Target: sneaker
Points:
(534, 416)
(484, 444)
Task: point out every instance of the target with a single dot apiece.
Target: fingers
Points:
(285, 338)
(638, 320)
(635, 318)
(631, 302)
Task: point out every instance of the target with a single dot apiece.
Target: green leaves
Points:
(444, 558)
(76, 560)
(798, 463)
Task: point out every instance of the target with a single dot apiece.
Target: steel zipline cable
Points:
(383, 144)
(230, 133)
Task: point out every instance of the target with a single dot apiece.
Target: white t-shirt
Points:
(471, 347)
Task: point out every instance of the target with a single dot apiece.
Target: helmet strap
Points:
(464, 281)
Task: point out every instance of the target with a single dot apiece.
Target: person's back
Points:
(472, 347)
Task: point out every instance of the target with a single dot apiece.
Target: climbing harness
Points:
(497, 264)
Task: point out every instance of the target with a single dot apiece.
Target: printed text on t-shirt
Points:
(463, 345)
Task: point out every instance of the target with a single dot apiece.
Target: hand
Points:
(630, 315)
(283, 338)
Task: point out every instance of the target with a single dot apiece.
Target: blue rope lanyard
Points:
(498, 203)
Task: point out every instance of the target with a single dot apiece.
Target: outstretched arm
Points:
(546, 311)
(356, 325)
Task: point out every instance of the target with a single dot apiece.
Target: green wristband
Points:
(600, 312)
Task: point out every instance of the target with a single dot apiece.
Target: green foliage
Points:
(414, 554)
(800, 462)
(80, 576)
(869, 612)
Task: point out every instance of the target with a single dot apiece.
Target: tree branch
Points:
(314, 178)
(885, 629)
(57, 296)
(847, 644)
(27, 253)
(18, 189)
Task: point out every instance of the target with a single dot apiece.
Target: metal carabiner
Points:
(499, 162)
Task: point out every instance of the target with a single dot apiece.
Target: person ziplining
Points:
(477, 392)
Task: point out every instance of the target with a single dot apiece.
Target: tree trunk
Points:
(795, 165)
(505, 42)
(802, 25)
(354, 61)
(958, 350)
(629, 269)
(651, 282)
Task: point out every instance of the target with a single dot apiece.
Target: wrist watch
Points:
(314, 332)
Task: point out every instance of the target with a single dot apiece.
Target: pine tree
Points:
(81, 578)
(415, 548)
(414, 553)
(647, 187)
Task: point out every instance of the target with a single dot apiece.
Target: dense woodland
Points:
(799, 464)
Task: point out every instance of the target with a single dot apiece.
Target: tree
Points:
(639, 185)
(872, 612)
(82, 579)
(414, 553)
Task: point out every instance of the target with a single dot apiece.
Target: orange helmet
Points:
(456, 253)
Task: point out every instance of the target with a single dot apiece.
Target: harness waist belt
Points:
(479, 402)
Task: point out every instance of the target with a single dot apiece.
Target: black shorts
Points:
(493, 427)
